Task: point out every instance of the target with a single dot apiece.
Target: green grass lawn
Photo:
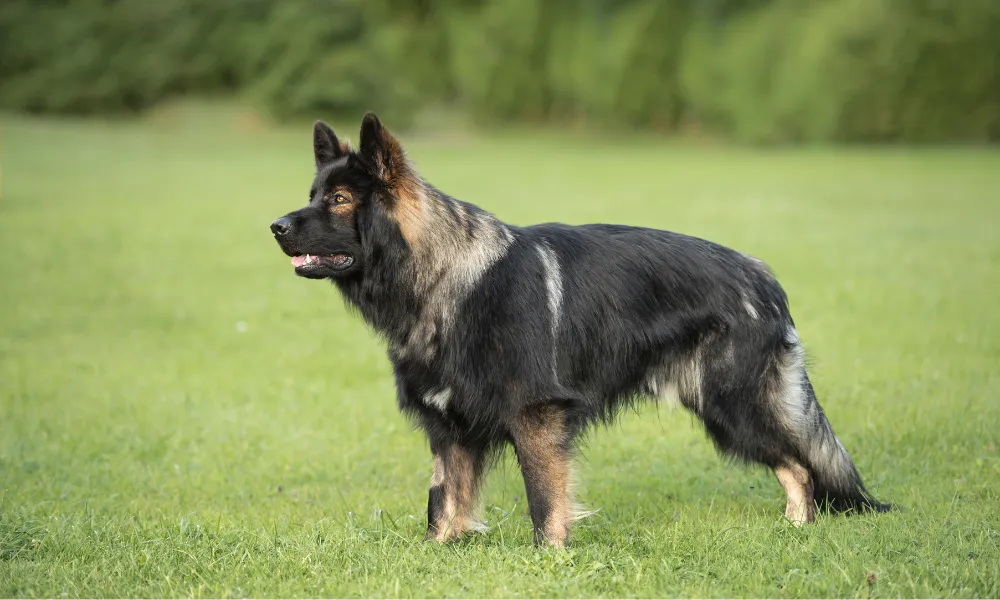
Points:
(181, 416)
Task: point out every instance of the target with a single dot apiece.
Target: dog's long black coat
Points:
(526, 335)
(632, 299)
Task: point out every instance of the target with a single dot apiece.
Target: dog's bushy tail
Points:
(837, 484)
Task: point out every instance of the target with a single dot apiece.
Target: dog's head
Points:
(353, 191)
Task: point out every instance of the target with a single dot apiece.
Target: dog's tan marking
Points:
(344, 210)
(458, 472)
(547, 467)
(342, 190)
(437, 477)
(408, 211)
(406, 188)
(799, 508)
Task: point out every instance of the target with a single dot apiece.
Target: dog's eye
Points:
(336, 198)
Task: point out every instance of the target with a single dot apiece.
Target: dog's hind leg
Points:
(542, 444)
(760, 407)
(451, 501)
(798, 484)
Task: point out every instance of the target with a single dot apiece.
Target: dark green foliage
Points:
(733, 76)
(851, 70)
(88, 56)
(499, 52)
(755, 70)
(320, 57)
(649, 89)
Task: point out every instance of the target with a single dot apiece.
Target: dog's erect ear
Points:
(326, 146)
(382, 152)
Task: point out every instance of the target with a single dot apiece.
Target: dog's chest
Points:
(438, 398)
(418, 381)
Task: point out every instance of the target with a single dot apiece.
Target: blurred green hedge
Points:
(99, 56)
(758, 70)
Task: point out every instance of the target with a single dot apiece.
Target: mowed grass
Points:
(181, 416)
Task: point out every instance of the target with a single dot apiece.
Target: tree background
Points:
(763, 71)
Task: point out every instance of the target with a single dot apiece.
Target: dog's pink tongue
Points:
(298, 261)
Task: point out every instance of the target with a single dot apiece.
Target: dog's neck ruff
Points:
(458, 243)
(458, 246)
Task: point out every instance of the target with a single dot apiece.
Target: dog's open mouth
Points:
(337, 262)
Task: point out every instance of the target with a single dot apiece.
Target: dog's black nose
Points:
(281, 226)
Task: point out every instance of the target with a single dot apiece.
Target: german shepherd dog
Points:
(526, 335)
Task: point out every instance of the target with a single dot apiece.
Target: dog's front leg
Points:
(451, 501)
(542, 444)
